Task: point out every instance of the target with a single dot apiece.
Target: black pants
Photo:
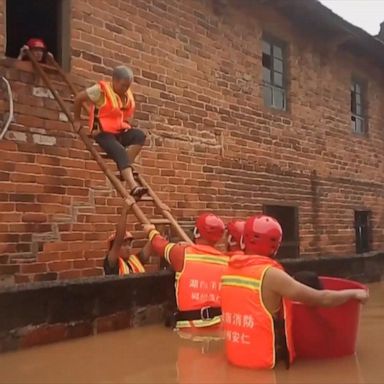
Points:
(114, 144)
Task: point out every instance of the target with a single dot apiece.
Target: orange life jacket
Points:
(250, 330)
(198, 284)
(133, 262)
(112, 114)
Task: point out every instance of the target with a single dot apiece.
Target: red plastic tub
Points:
(327, 332)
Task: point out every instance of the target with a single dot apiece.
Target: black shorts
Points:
(114, 144)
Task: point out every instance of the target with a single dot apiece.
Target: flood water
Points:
(157, 355)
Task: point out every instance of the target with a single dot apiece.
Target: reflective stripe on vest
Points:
(113, 113)
(240, 281)
(133, 262)
(198, 284)
(221, 260)
(167, 251)
(123, 267)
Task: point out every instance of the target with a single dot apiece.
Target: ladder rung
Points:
(69, 99)
(146, 198)
(160, 221)
(49, 67)
(57, 81)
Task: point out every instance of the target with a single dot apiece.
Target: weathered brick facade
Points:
(212, 144)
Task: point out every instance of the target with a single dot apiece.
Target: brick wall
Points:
(211, 142)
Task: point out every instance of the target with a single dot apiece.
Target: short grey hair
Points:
(122, 72)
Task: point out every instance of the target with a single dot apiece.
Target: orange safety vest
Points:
(249, 328)
(133, 262)
(198, 284)
(112, 114)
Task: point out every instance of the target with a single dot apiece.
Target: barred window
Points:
(357, 108)
(274, 89)
(363, 231)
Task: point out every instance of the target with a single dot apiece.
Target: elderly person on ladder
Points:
(112, 105)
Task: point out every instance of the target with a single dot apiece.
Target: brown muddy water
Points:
(158, 355)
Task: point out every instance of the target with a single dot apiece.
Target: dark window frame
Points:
(273, 87)
(358, 91)
(363, 243)
(62, 43)
(293, 243)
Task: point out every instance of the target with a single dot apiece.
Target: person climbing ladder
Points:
(112, 104)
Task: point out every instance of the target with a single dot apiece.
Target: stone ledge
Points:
(52, 311)
(366, 267)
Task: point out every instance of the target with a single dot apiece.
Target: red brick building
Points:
(249, 106)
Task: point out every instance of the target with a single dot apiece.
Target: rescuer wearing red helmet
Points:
(38, 49)
(198, 268)
(256, 297)
(235, 230)
(120, 260)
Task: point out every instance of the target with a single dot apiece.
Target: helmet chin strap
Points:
(242, 245)
(231, 242)
(274, 253)
(196, 233)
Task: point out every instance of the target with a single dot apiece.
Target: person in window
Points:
(38, 49)
(120, 260)
(112, 105)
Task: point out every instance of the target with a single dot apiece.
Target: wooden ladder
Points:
(167, 219)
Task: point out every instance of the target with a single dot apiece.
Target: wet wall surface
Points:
(48, 312)
(155, 354)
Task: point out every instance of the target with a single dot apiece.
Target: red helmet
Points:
(36, 43)
(262, 235)
(209, 227)
(235, 230)
(128, 235)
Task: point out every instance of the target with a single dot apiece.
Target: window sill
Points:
(22, 65)
(11, 62)
(363, 136)
(271, 110)
(274, 111)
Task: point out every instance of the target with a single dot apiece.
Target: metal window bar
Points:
(357, 113)
(357, 124)
(274, 88)
(272, 95)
